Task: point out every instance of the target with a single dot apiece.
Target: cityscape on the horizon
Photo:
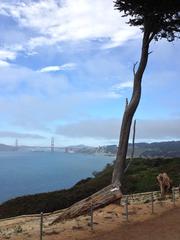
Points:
(169, 149)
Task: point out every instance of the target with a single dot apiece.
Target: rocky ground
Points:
(109, 224)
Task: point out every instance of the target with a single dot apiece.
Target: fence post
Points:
(173, 197)
(41, 226)
(152, 203)
(126, 207)
(92, 227)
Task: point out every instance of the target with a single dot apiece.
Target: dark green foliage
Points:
(161, 18)
(140, 177)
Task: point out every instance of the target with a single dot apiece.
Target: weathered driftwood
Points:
(101, 198)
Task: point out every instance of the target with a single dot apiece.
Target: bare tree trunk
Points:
(132, 153)
(112, 192)
(129, 113)
(99, 199)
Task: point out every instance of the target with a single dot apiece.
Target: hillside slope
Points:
(140, 177)
(109, 224)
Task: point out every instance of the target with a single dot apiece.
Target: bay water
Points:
(24, 173)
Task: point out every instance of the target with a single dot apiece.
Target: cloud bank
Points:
(109, 129)
(9, 134)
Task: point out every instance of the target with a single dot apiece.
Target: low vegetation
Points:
(140, 177)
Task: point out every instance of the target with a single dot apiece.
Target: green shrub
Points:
(140, 177)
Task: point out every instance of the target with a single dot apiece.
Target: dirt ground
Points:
(109, 224)
(164, 227)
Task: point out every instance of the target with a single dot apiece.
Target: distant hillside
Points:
(168, 149)
(157, 149)
(145, 150)
(4, 147)
(140, 177)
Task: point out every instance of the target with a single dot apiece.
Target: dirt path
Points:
(164, 227)
(109, 224)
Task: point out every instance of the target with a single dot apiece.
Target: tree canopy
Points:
(160, 17)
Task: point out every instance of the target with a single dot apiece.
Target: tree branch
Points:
(134, 68)
(151, 37)
(126, 103)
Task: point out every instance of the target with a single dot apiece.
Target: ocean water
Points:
(24, 173)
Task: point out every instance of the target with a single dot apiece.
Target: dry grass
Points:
(110, 222)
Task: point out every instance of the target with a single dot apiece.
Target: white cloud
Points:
(160, 129)
(42, 83)
(35, 100)
(21, 80)
(94, 128)
(4, 63)
(117, 88)
(94, 95)
(64, 67)
(121, 37)
(10, 134)
(123, 85)
(112, 95)
(7, 55)
(57, 21)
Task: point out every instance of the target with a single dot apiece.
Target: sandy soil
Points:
(109, 224)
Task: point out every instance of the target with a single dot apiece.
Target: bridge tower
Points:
(52, 144)
(16, 145)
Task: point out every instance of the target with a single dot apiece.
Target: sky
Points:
(66, 70)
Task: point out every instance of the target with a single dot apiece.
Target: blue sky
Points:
(66, 69)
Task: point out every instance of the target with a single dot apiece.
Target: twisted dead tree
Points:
(157, 19)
